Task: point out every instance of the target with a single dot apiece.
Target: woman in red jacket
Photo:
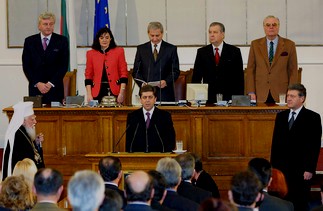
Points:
(106, 68)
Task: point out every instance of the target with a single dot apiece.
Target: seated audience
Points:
(172, 171)
(112, 201)
(186, 189)
(138, 191)
(15, 194)
(28, 169)
(159, 185)
(213, 204)
(110, 170)
(262, 168)
(278, 186)
(202, 179)
(48, 186)
(85, 190)
(245, 190)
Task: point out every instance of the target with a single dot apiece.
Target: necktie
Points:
(217, 56)
(148, 119)
(155, 52)
(45, 43)
(271, 52)
(291, 121)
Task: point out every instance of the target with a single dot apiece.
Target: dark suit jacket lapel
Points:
(162, 49)
(39, 44)
(210, 53)
(149, 52)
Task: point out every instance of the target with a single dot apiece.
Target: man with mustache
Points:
(21, 139)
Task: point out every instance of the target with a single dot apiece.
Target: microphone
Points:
(147, 147)
(161, 140)
(134, 135)
(119, 140)
(133, 86)
(176, 101)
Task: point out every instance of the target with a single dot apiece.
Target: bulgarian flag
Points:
(67, 28)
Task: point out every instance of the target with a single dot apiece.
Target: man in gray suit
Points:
(262, 168)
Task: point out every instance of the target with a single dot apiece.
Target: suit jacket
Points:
(262, 77)
(121, 193)
(22, 149)
(46, 206)
(320, 208)
(116, 69)
(273, 203)
(157, 206)
(206, 182)
(43, 66)
(137, 207)
(188, 190)
(166, 67)
(177, 202)
(160, 134)
(227, 78)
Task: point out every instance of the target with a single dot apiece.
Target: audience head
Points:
(27, 168)
(48, 182)
(159, 185)
(213, 204)
(138, 187)
(262, 168)
(85, 190)
(198, 163)
(15, 193)
(271, 27)
(148, 97)
(46, 23)
(187, 163)
(112, 201)
(155, 32)
(104, 40)
(171, 171)
(278, 186)
(110, 168)
(216, 33)
(245, 189)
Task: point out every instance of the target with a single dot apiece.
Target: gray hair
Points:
(271, 16)
(85, 190)
(171, 170)
(45, 16)
(155, 26)
(187, 163)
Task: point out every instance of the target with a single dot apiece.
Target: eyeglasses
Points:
(271, 24)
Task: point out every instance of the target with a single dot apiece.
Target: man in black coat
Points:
(152, 132)
(296, 146)
(186, 188)
(223, 73)
(262, 168)
(157, 61)
(45, 61)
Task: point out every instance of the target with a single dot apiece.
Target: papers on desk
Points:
(151, 83)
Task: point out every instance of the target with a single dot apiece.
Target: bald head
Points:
(138, 186)
(48, 181)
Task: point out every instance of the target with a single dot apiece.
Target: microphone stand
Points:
(160, 100)
(161, 140)
(130, 150)
(117, 144)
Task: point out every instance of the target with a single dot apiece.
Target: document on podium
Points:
(151, 83)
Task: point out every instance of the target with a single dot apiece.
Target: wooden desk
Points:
(225, 137)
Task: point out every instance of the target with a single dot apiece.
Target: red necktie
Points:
(217, 56)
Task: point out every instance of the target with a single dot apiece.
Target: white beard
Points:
(31, 131)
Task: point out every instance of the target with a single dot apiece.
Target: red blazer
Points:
(116, 68)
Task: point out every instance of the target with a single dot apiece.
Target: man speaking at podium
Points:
(149, 129)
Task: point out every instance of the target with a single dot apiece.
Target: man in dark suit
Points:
(139, 191)
(186, 188)
(219, 65)
(157, 61)
(296, 146)
(110, 170)
(149, 129)
(48, 186)
(269, 72)
(172, 171)
(45, 61)
(262, 168)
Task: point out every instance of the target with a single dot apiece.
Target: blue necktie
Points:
(271, 52)
(291, 121)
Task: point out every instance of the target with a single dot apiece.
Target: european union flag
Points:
(101, 17)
